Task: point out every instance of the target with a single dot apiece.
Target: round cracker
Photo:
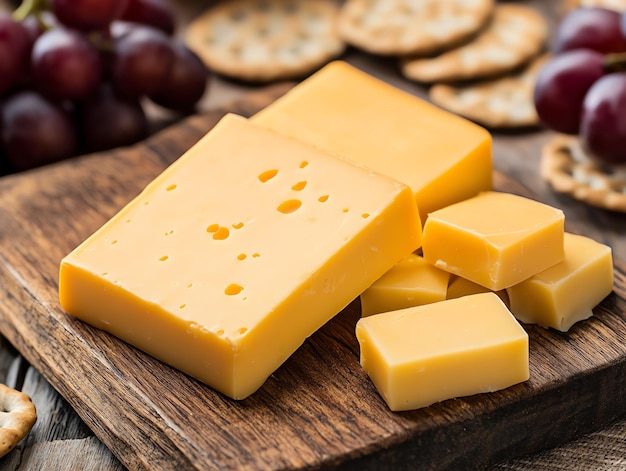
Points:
(503, 103)
(567, 169)
(397, 27)
(266, 40)
(515, 34)
(17, 417)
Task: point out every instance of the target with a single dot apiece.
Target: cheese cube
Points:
(459, 287)
(426, 354)
(567, 292)
(411, 282)
(237, 253)
(444, 158)
(495, 239)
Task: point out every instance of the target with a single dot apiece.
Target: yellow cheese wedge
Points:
(442, 157)
(495, 239)
(459, 287)
(426, 354)
(411, 282)
(567, 292)
(237, 253)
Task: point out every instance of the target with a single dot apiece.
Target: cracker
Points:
(397, 27)
(502, 103)
(266, 40)
(515, 34)
(567, 169)
(17, 417)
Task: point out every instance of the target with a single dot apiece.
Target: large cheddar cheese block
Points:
(442, 157)
(237, 252)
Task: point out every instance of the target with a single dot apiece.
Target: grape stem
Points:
(28, 7)
(615, 62)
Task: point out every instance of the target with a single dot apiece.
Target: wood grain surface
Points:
(319, 410)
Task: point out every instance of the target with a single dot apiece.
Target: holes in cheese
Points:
(323, 198)
(171, 188)
(233, 289)
(219, 232)
(299, 186)
(268, 175)
(163, 258)
(289, 206)
(324, 258)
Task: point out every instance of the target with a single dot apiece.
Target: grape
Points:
(124, 121)
(141, 61)
(561, 86)
(603, 122)
(87, 15)
(36, 131)
(155, 13)
(186, 82)
(590, 28)
(15, 45)
(65, 64)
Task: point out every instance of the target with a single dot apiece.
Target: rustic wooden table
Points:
(60, 440)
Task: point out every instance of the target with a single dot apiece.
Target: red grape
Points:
(186, 83)
(156, 13)
(87, 15)
(109, 120)
(561, 86)
(603, 122)
(65, 64)
(35, 131)
(15, 45)
(590, 28)
(141, 61)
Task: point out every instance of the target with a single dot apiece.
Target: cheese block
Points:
(442, 157)
(567, 292)
(411, 282)
(459, 287)
(495, 239)
(238, 252)
(459, 347)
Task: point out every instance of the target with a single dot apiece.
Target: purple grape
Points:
(186, 83)
(561, 86)
(156, 13)
(603, 122)
(141, 61)
(65, 64)
(36, 131)
(590, 28)
(87, 15)
(15, 45)
(108, 120)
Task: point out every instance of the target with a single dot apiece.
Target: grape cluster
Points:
(74, 75)
(582, 89)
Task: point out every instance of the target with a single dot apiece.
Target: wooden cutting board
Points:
(319, 409)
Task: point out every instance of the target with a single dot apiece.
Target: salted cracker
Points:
(398, 27)
(502, 103)
(17, 417)
(568, 170)
(266, 40)
(515, 34)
